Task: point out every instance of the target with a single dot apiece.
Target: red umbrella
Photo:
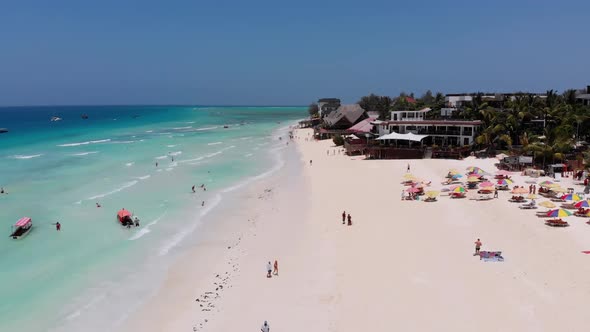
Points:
(412, 190)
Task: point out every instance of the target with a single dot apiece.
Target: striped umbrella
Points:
(583, 204)
(547, 184)
(571, 197)
(559, 213)
(504, 182)
(456, 176)
(432, 193)
(472, 179)
(486, 184)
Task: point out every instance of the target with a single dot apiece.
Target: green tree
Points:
(313, 110)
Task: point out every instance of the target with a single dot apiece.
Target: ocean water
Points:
(94, 270)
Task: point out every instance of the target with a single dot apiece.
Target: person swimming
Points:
(98, 205)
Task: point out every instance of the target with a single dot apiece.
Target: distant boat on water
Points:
(3, 130)
(84, 116)
(55, 118)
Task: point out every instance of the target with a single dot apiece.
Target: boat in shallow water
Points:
(126, 218)
(21, 228)
(55, 118)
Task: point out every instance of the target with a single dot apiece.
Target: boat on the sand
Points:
(21, 228)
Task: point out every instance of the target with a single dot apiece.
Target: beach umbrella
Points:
(487, 188)
(472, 179)
(583, 204)
(409, 176)
(412, 190)
(547, 184)
(519, 191)
(486, 184)
(457, 176)
(547, 204)
(558, 213)
(445, 190)
(453, 171)
(532, 196)
(571, 197)
(503, 173)
(432, 193)
(418, 185)
(504, 182)
(459, 189)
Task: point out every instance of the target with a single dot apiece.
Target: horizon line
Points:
(153, 105)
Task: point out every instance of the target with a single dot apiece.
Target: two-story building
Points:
(327, 106)
(440, 132)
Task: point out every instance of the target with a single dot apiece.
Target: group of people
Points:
(532, 189)
(346, 217)
(272, 269)
(202, 186)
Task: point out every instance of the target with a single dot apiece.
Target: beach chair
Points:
(491, 256)
(528, 206)
(457, 195)
(430, 199)
(556, 223)
(484, 198)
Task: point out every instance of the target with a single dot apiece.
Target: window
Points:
(466, 141)
(467, 131)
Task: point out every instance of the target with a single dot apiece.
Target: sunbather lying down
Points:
(494, 256)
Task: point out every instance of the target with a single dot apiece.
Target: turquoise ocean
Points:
(94, 271)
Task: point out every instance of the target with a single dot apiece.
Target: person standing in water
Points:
(156, 164)
(193, 188)
(203, 203)
(57, 226)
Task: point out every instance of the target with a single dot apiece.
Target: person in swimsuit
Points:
(268, 270)
(477, 246)
(57, 226)
(276, 268)
(343, 217)
(349, 220)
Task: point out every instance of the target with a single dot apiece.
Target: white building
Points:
(440, 132)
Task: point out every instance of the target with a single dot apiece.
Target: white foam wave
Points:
(146, 229)
(248, 155)
(144, 177)
(169, 169)
(171, 146)
(207, 128)
(181, 128)
(190, 122)
(215, 143)
(84, 153)
(149, 131)
(86, 143)
(130, 164)
(176, 153)
(122, 142)
(210, 205)
(123, 187)
(20, 156)
(161, 157)
(246, 138)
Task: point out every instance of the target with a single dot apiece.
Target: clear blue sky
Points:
(284, 52)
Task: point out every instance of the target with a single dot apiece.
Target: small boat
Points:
(226, 126)
(84, 116)
(55, 118)
(126, 218)
(3, 130)
(21, 228)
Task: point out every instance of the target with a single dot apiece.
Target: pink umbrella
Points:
(486, 184)
(413, 190)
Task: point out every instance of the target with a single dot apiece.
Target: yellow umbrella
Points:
(431, 193)
(547, 204)
(472, 179)
(488, 188)
(532, 196)
(409, 176)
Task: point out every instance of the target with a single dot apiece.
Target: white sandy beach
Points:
(401, 266)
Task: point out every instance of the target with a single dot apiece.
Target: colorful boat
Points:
(21, 228)
(126, 218)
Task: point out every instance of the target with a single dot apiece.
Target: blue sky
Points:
(284, 53)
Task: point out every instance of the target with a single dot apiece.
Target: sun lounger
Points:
(491, 256)
(557, 223)
(517, 199)
(430, 199)
(484, 198)
(457, 195)
(528, 206)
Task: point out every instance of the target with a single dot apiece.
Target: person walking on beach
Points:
(343, 217)
(265, 327)
(477, 247)
(408, 170)
(310, 162)
(349, 220)
(495, 193)
(203, 203)
(268, 270)
(193, 188)
(156, 164)
(275, 270)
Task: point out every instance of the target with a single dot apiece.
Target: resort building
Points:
(337, 122)
(584, 98)
(439, 132)
(327, 106)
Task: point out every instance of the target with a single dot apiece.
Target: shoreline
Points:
(399, 262)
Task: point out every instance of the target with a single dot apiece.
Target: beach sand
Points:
(401, 266)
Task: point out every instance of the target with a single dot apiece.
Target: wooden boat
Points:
(21, 228)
